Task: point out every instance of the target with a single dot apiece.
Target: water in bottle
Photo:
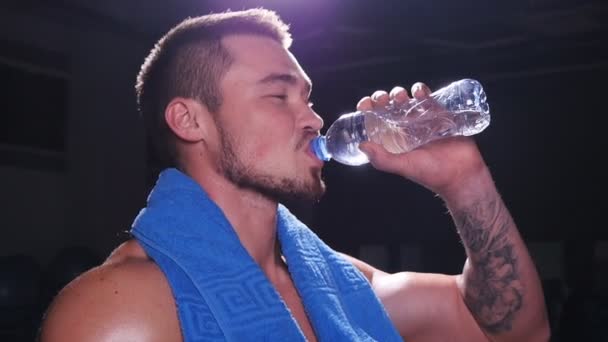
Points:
(458, 109)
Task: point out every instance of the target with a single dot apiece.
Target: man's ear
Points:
(185, 118)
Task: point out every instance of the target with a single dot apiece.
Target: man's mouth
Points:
(306, 140)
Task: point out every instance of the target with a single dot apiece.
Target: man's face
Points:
(265, 122)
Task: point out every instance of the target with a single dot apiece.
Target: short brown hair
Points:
(188, 62)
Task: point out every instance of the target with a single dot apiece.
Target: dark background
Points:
(74, 170)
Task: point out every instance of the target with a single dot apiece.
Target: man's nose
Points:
(312, 120)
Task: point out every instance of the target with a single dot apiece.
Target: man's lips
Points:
(306, 140)
(312, 155)
(305, 144)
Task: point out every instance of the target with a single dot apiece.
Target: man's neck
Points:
(253, 217)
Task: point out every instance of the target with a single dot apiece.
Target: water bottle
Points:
(457, 109)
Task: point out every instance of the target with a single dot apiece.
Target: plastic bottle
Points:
(457, 109)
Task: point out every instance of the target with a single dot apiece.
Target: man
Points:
(228, 107)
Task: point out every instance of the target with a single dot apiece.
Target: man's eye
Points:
(279, 96)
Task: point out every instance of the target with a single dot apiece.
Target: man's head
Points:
(189, 61)
(232, 74)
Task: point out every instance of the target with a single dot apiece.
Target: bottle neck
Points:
(319, 147)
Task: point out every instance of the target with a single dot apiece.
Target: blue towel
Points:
(223, 295)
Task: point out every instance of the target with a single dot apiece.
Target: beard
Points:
(276, 188)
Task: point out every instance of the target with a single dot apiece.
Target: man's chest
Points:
(294, 303)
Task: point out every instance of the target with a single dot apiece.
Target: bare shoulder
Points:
(423, 306)
(125, 298)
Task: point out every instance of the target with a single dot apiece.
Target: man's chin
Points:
(311, 192)
(315, 189)
(312, 196)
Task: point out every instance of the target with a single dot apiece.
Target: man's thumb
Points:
(369, 149)
(380, 158)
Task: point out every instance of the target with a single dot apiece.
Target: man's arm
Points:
(497, 297)
(499, 285)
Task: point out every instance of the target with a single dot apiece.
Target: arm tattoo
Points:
(494, 293)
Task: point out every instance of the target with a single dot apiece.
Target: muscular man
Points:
(216, 257)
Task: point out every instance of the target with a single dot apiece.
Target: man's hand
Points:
(442, 166)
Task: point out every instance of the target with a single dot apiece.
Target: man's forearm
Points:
(499, 281)
(494, 291)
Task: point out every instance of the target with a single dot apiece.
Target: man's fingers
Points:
(365, 104)
(399, 95)
(380, 99)
(420, 91)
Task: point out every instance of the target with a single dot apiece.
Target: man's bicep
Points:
(369, 271)
(394, 292)
(427, 306)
